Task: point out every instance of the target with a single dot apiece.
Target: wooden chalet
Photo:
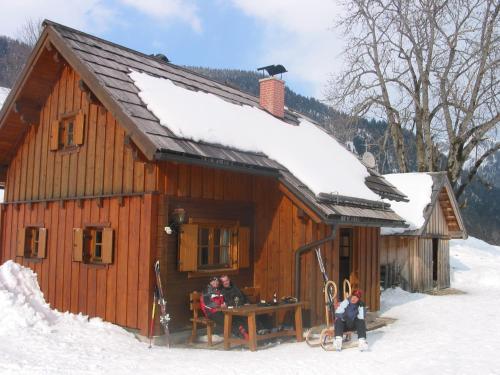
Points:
(419, 259)
(92, 179)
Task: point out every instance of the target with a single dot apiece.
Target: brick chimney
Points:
(272, 96)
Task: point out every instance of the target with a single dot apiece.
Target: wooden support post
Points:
(252, 332)
(298, 324)
(228, 321)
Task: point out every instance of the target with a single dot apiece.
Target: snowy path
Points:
(457, 334)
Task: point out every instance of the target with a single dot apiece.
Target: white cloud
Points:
(299, 34)
(183, 10)
(88, 15)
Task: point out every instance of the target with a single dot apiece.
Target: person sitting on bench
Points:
(213, 299)
(350, 316)
(233, 296)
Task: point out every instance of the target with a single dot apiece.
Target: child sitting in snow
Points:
(350, 315)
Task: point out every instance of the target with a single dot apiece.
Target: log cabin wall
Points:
(61, 190)
(279, 227)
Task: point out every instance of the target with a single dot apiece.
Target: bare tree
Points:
(430, 66)
(30, 31)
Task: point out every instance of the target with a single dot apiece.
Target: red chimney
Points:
(272, 96)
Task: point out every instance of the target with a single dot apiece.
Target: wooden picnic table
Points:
(250, 312)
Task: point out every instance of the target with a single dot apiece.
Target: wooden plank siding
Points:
(96, 290)
(108, 181)
(413, 255)
(102, 165)
(56, 189)
(277, 230)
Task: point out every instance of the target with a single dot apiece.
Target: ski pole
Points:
(152, 320)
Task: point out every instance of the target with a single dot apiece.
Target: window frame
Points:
(90, 244)
(64, 134)
(31, 242)
(215, 249)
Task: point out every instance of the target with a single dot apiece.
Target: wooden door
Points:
(345, 259)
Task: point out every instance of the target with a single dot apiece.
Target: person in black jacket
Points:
(214, 299)
(232, 294)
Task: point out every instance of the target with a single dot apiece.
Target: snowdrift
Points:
(21, 302)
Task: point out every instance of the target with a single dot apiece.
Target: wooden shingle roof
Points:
(104, 68)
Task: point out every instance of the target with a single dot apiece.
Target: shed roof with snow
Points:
(427, 193)
(161, 105)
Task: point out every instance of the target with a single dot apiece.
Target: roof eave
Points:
(21, 78)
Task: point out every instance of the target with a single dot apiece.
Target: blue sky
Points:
(241, 34)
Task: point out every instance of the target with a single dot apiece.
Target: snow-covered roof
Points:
(4, 92)
(316, 164)
(418, 188)
(306, 150)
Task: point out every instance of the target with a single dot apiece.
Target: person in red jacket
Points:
(211, 301)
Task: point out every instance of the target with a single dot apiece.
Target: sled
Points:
(327, 335)
(315, 334)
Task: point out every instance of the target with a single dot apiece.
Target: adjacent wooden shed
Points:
(418, 259)
(92, 178)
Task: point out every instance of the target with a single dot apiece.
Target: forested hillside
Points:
(13, 54)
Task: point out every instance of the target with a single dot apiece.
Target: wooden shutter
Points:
(188, 248)
(21, 242)
(244, 247)
(54, 136)
(42, 242)
(77, 244)
(107, 245)
(79, 129)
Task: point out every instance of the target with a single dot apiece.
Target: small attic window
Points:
(68, 131)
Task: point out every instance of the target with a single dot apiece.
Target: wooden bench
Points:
(199, 318)
(252, 294)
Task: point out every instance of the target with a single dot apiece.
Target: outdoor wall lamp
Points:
(178, 218)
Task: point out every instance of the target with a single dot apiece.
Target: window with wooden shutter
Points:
(54, 135)
(21, 242)
(79, 129)
(210, 246)
(78, 244)
(31, 242)
(188, 247)
(107, 246)
(42, 242)
(244, 247)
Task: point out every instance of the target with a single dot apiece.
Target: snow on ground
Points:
(455, 334)
(418, 188)
(304, 149)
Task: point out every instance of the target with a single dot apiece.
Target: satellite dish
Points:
(369, 160)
